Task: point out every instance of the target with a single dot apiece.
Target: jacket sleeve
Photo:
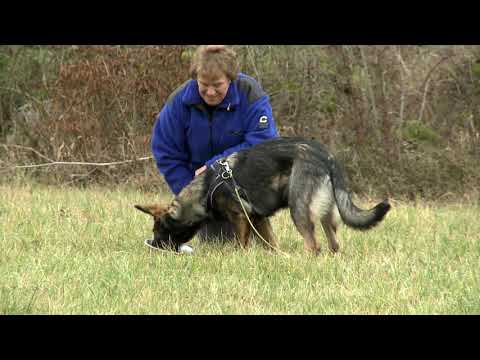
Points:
(169, 149)
(259, 127)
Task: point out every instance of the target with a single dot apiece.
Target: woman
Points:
(218, 112)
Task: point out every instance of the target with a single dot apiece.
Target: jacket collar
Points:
(191, 96)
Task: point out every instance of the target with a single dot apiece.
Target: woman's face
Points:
(213, 87)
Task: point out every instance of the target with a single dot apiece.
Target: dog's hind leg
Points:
(330, 227)
(306, 227)
(299, 200)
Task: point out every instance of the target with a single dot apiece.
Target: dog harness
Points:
(224, 176)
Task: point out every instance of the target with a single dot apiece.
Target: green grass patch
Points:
(80, 251)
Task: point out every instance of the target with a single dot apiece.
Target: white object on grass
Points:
(184, 248)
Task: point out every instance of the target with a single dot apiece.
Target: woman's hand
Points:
(200, 170)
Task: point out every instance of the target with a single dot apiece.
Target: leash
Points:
(227, 174)
(170, 251)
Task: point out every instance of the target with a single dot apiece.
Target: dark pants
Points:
(216, 230)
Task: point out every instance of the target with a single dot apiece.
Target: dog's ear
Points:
(154, 210)
(175, 210)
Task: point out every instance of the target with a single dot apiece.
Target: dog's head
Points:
(169, 229)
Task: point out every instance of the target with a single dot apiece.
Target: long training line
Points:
(53, 163)
(256, 231)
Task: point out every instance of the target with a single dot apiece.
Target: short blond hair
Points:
(209, 59)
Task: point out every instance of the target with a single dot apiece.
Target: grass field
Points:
(74, 251)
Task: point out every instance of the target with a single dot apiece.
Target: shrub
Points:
(98, 104)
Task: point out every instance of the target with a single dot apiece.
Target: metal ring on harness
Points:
(227, 174)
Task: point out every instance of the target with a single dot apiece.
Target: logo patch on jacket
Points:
(263, 122)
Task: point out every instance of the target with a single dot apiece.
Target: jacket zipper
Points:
(210, 125)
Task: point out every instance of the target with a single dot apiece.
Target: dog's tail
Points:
(352, 215)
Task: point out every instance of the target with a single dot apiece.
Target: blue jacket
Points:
(185, 137)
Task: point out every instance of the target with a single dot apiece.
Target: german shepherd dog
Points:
(284, 172)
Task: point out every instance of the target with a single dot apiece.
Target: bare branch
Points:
(369, 85)
(426, 83)
(28, 148)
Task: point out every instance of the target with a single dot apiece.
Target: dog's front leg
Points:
(265, 230)
(242, 228)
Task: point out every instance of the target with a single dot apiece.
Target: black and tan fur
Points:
(285, 172)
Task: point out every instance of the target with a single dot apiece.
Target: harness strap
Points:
(225, 173)
(224, 177)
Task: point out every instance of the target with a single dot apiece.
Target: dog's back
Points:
(302, 175)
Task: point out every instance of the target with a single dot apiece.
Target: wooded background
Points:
(403, 120)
